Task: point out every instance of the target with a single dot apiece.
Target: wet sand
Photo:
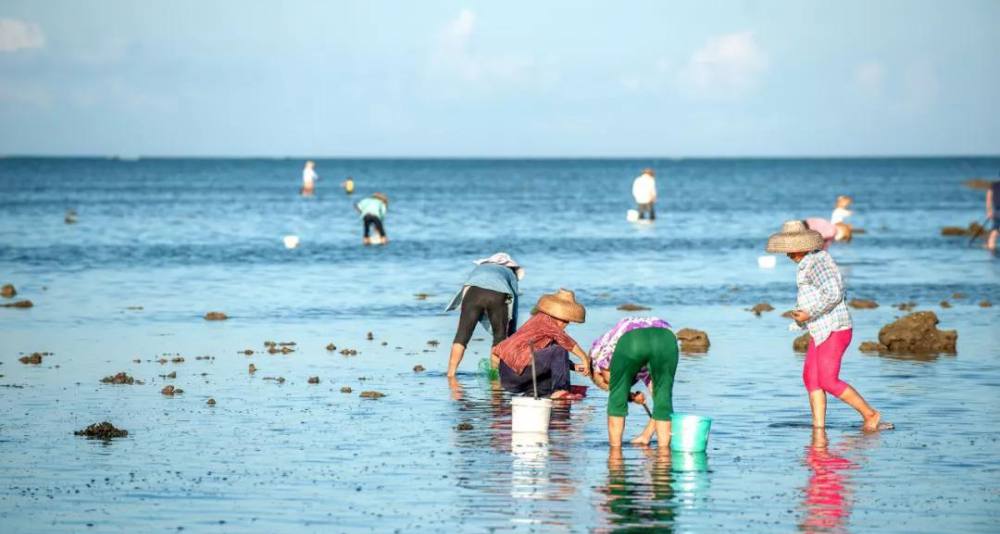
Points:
(289, 456)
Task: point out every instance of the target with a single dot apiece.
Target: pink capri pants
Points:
(822, 368)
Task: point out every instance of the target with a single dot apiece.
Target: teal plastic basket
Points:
(689, 432)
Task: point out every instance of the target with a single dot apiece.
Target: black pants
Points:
(650, 208)
(475, 303)
(552, 367)
(371, 220)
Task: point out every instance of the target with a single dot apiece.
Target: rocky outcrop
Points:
(801, 343)
(974, 228)
(103, 430)
(917, 333)
(761, 308)
(8, 291)
(628, 306)
(693, 341)
(216, 316)
(863, 304)
(18, 304)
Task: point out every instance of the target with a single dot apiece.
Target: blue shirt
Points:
(495, 278)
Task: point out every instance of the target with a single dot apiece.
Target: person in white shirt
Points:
(309, 178)
(839, 218)
(644, 193)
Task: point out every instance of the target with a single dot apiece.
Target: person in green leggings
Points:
(637, 348)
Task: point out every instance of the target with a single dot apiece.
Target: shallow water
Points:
(180, 238)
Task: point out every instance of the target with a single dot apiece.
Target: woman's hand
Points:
(800, 316)
(638, 397)
(583, 369)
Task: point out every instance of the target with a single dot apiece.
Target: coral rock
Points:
(103, 430)
(628, 306)
(8, 291)
(801, 343)
(216, 316)
(693, 340)
(917, 333)
(863, 304)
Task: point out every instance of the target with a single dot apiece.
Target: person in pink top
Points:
(825, 228)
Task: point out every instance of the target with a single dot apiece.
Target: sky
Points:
(499, 79)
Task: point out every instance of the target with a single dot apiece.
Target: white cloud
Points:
(870, 78)
(18, 34)
(455, 55)
(727, 66)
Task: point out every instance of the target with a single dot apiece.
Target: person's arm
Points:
(584, 367)
(826, 277)
(646, 435)
(989, 203)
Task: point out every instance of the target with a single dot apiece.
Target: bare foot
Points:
(640, 440)
(874, 423)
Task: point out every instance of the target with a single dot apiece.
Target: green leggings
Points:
(655, 348)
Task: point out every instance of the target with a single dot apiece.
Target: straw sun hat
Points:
(794, 237)
(562, 305)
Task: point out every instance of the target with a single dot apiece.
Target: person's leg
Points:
(379, 227)
(472, 310)
(366, 222)
(661, 345)
(496, 311)
(642, 209)
(625, 363)
(830, 354)
(810, 378)
(991, 241)
(652, 211)
(513, 382)
(551, 371)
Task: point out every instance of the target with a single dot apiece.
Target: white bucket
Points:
(291, 241)
(632, 215)
(767, 262)
(530, 415)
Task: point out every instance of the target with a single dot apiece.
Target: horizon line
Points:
(124, 157)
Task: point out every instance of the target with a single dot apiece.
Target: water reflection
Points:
(640, 497)
(827, 495)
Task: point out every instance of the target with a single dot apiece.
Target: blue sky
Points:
(374, 78)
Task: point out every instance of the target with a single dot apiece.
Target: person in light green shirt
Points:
(373, 210)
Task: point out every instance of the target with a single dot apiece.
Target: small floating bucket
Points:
(689, 433)
(291, 241)
(530, 414)
(766, 262)
(632, 215)
(488, 371)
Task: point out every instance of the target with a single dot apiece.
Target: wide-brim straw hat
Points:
(562, 305)
(382, 197)
(795, 237)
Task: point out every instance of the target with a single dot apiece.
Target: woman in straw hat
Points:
(822, 309)
(545, 334)
(637, 348)
(372, 210)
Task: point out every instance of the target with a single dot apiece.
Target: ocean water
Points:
(160, 242)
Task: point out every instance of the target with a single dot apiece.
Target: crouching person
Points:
(637, 348)
(544, 334)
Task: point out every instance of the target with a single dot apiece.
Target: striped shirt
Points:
(821, 294)
(541, 331)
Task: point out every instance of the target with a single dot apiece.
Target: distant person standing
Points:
(309, 178)
(644, 193)
(372, 210)
(348, 185)
(993, 213)
(839, 217)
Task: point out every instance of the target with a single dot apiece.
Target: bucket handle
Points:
(534, 381)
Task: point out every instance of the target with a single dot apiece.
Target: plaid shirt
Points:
(821, 294)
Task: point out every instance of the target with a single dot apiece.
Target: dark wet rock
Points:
(974, 228)
(858, 231)
(34, 358)
(346, 389)
(418, 368)
(977, 183)
(958, 296)
(945, 304)
(210, 402)
(18, 304)
(70, 217)
(421, 296)
(906, 306)
(761, 308)
(863, 304)
(872, 346)
(370, 336)
(8, 291)
(171, 375)
(103, 430)
(985, 304)
(313, 380)
(917, 333)
(216, 316)
(286, 344)
(177, 359)
(248, 352)
(252, 369)
(270, 344)
(464, 426)
(628, 306)
(120, 378)
(162, 361)
(278, 379)
(693, 340)
(134, 308)
(170, 391)
(801, 343)
(203, 358)
(372, 395)
(349, 352)
(385, 343)
(433, 343)
(331, 347)
(788, 314)
(137, 360)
